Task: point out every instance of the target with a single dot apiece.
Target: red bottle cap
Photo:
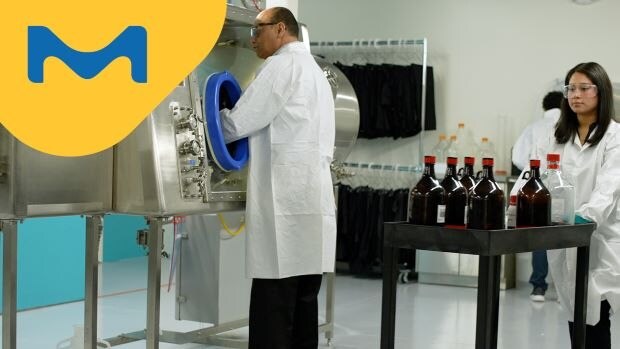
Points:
(513, 199)
(553, 161)
(534, 163)
(429, 159)
(469, 160)
(487, 162)
(452, 160)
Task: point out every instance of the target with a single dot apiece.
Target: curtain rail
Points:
(369, 43)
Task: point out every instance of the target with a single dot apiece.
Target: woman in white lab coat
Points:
(588, 141)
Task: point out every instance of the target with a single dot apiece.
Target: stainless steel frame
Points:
(154, 281)
(9, 283)
(94, 226)
(69, 186)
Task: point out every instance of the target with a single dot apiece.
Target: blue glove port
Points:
(223, 91)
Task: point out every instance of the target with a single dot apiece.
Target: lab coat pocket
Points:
(296, 189)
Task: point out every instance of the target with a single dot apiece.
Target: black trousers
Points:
(284, 313)
(599, 335)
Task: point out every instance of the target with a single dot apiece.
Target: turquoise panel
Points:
(50, 261)
(119, 237)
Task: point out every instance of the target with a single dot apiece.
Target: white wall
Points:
(292, 5)
(490, 57)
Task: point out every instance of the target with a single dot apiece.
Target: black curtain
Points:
(390, 99)
(361, 214)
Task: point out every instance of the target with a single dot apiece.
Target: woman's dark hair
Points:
(568, 125)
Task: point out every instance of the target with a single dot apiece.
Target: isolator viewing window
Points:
(223, 91)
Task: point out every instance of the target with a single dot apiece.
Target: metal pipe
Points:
(91, 279)
(9, 284)
(154, 281)
(423, 106)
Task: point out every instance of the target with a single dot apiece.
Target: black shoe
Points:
(538, 294)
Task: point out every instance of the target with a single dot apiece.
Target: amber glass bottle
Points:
(456, 197)
(533, 200)
(427, 198)
(467, 173)
(486, 201)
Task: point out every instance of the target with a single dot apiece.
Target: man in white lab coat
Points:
(288, 114)
(536, 130)
(521, 155)
(588, 141)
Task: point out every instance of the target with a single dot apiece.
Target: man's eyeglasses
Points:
(586, 90)
(255, 29)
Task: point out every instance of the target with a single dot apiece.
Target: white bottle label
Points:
(441, 213)
(511, 215)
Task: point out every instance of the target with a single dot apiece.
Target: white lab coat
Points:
(288, 114)
(595, 171)
(533, 132)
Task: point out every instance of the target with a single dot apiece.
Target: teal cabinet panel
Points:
(50, 261)
(119, 237)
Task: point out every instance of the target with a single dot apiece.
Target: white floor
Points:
(428, 316)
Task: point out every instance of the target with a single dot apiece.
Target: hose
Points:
(227, 229)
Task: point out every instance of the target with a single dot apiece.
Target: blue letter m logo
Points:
(43, 43)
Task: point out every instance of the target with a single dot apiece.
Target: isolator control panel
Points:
(194, 176)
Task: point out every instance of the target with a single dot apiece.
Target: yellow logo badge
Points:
(79, 76)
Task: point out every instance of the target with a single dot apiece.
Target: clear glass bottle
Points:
(486, 201)
(439, 150)
(486, 149)
(533, 200)
(456, 197)
(453, 148)
(562, 192)
(468, 146)
(427, 198)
